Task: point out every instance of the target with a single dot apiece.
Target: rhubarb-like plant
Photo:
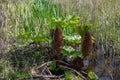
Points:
(86, 39)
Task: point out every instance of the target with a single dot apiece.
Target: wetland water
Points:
(106, 63)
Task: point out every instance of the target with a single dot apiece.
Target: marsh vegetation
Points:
(59, 39)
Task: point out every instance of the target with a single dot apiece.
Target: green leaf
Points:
(92, 75)
(53, 65)
(69, 49)
(69, 75)
(77, 54)
(64, 22)
(79, 78)
(76, 38)
(82, 29)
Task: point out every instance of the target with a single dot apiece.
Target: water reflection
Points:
(105, 62)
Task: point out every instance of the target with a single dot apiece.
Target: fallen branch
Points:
(45, 66)
(73, 70)
(48, 71)
(47, 76)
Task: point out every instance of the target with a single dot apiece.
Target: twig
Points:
(48, 71)
(47, 76)
(63, 62)
(53, 76)
(73, 71)
(47, 63)
(84, 72)
(24, 78)
(44, 64)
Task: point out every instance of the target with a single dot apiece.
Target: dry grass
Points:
(103, 14)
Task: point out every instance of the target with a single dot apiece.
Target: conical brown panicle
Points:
(86, 44)
(58, 40)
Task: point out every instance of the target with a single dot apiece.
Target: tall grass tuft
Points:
(27, 21)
